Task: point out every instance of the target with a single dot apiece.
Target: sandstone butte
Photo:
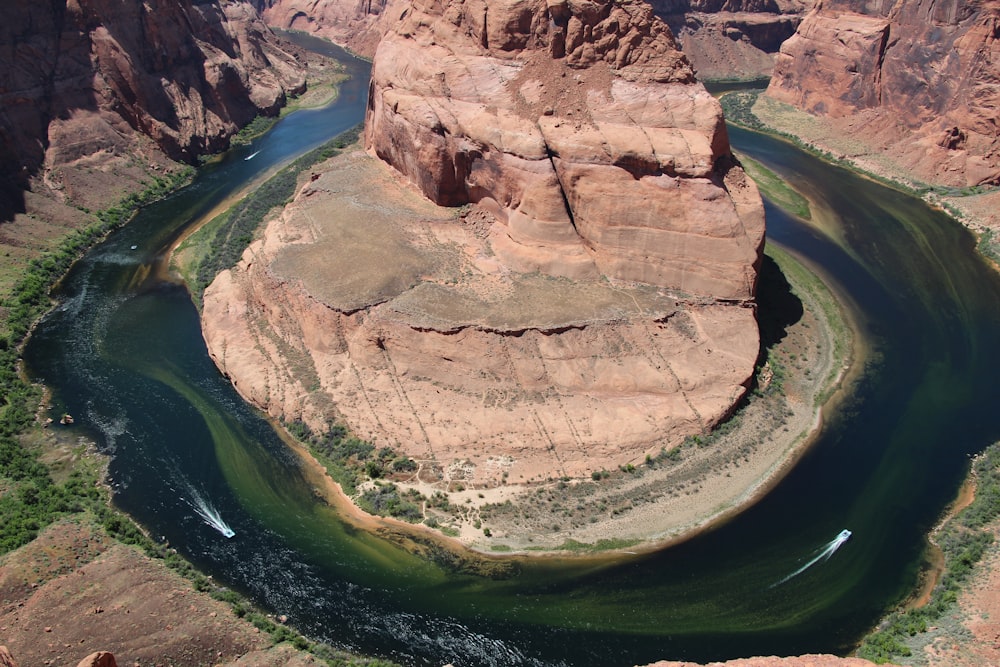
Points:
(917, 79)
(591, 303)
(87, 86)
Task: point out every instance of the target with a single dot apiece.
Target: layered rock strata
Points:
(83, 80)
(581, 128)
(591, 304)
(357, 25)
(727, 39)
(366, 304)
(921, 79)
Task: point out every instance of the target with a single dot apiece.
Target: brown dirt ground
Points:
(74, 591)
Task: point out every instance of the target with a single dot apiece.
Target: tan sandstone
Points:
(365, 303)
(580, 127)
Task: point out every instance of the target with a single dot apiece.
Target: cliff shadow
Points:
(777, 306)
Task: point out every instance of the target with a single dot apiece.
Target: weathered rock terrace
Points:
(367, 303)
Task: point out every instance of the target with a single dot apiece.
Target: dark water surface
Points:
(123, 354)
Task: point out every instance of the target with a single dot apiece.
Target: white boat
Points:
(844, 535)
(251, 156)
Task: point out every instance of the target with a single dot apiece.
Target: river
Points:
(123, 353)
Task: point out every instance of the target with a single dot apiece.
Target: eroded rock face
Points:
(355, 24)
(580, 127)
(923, 76)
(409, 329)
(99, 659)
(728, 39)
(591, 305)
(83, 77)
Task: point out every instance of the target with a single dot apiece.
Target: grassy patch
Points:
(608, 544)
(775, 189)
(388, 500)
(255, 128)
(989, 245)
(220, 244)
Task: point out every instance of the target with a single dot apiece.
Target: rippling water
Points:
(123, 353)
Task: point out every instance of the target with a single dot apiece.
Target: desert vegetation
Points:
(220, 243)
(963, 540)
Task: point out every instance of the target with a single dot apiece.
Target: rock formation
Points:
(591, 303)
(82, 79)
(99, 659)
(581, 128)
(919, 78)
(728, 39)
(355, 24)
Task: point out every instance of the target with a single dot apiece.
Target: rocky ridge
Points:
(920, 79)
(86, 84)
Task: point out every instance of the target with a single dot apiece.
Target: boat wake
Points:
(251, 156)
(209, 514)
(823, 555)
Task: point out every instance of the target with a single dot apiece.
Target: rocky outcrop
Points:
(99, 659)
(84, 78)
(411, 330)
(919, 77)
(728, 39)
(581, 129)
(357, 25)
(590, 304)
(6, 659)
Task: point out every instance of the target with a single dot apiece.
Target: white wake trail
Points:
(824, 555)
(208, 513)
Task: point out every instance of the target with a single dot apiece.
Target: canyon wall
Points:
(581, 129)
(91, 79)
(920, 78)
(732, 39)
(357, 25)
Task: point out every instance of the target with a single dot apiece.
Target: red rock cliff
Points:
(728, 39)
(80, 77)
(925, 74)
(581, 128)
(355, 24)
